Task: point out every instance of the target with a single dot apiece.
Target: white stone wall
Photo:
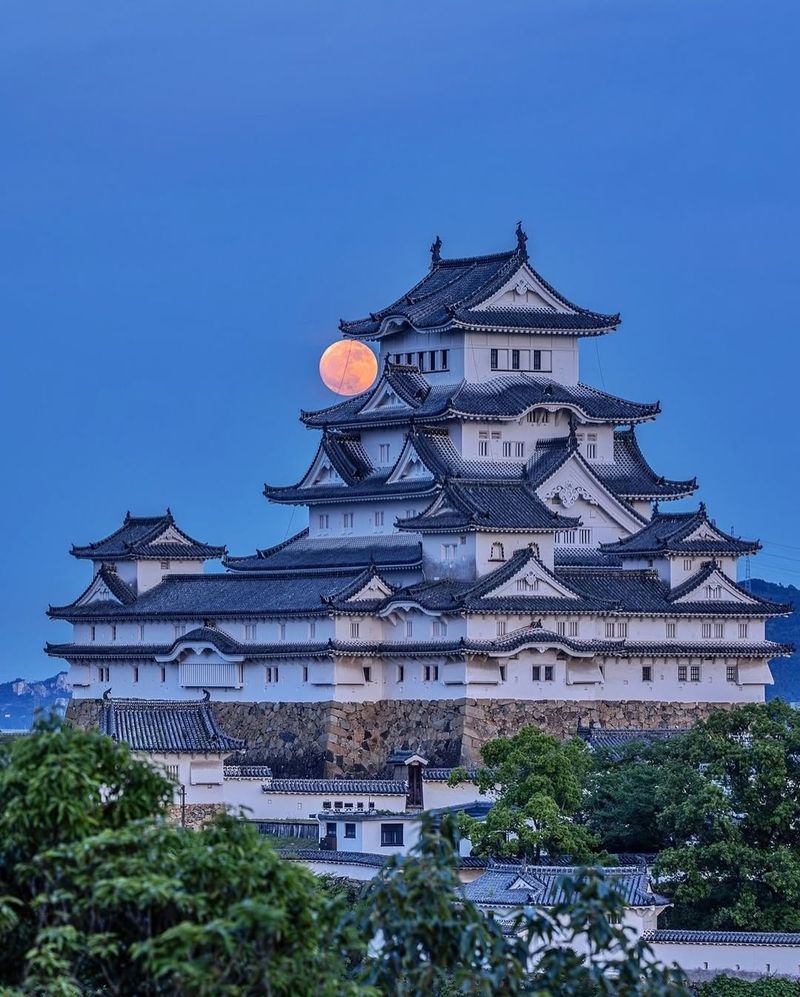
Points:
(755, 959)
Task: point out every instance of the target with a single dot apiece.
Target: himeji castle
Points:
(486, 546)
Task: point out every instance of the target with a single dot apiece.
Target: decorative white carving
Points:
(522, 287)
(568, 493)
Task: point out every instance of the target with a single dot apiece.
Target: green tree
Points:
(729, 810)
(539, 783)
(622, 806)
(100, 896)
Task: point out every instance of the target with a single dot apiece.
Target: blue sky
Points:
(193, 193)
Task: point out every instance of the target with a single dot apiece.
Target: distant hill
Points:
(785, 671)
(20, 699)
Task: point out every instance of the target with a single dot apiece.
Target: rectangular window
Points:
(507, 449)
(719, 629)
(305, 673)
(591, 451)
(448, 552)
(384, 453)
(281, 631)
(502, 673)
(165, 565)
(732, 673)
(426, 673)
(682, 673)
(409, 628)
(163, 674)
(609, 629)
(92, 633)
(141, 631)
(271, 673)
(501, 628)
(250, 631)
(493, 359)
(354, 628)
(113, 631)
(515, 359)
(561, 629)
(694, 673)
(483, 446)
(180, 630)
(537, 359)
(743, 630)
(566, 536)
(398, 357)
(585, 537)
(401, 673)
(536, 673)
(421, 361)
(324, 520)
(705, 630)
(519, 449)
(572, 630)
(367, 673)
(312, 630)
(432, 359)
(439, 628)
(347, 520)
(622, 629)
(379, 518)
(687, 564)
(435, 673)
(135, 673)
(647, 673)
(391, 834)
(670, 627)
(409, 358)
(349, 830)
(548, 673)
(103, 673)
(444, 359)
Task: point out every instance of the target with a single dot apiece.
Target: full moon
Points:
(348, 367)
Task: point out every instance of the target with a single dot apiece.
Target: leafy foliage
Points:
(729, 809)
(99, 896)
(539, 782)
(727, 986)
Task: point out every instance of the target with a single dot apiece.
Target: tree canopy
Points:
(99, 895)
(539, 786)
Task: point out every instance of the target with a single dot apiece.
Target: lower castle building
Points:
(486, 546)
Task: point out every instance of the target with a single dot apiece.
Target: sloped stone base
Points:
(327, 739)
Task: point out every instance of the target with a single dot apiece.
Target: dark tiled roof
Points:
(334, 857)
(490, 506)
(149, 725)
(120, 591)
(248, 772)
(442, 775)
(223, 595)
(448, 294)
(339, 787)
(323, 554)
(542, 886)
(632, 477)
(584, 557)
(136, 539)
(613, 739)
(502, 398)
(679, 936)
(666, 533)
(375, 487)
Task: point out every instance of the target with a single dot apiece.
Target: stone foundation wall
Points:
(194, 815)
(355, 739)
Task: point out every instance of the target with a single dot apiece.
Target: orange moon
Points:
(348, 367)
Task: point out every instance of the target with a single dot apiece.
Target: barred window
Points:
(694, 673)
(732, 673)
(682, 673)
(670, 630)
(647, 673)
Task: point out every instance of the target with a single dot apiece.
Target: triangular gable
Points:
(520, 883)
(524, 289)
(171, 535)
(503, 580)
(713, 586)
(704, 532)
(321, 472)
(409, 466)
(374, 588)
(573, 482)
(98, 591)
(533, 579)
(384, 397)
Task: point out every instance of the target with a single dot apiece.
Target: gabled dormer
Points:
(145, 549)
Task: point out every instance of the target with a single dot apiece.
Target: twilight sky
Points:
(193, 193)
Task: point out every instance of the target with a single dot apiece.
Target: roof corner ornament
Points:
(206, 695)
(655, 508)
(436, 252)
(702, 508)
(127, 519)
(107, 694)
(522, 239)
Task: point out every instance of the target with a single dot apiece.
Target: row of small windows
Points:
(492, 444)
(692, 673)
(708, 631)
(520, 360)
(582, 537)
(424, 359)
(378, 519)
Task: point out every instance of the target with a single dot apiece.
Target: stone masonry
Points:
(355, 739)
